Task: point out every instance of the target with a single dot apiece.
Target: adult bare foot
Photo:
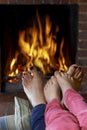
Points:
(76, 72)
(33, 87)
(51, 89)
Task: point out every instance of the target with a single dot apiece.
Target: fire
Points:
(13, 71)
(38, 47)
(61, 58)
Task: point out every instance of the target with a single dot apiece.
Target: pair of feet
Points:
(38, 94)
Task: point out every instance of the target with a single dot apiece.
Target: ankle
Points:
(65, 89)
(38, 103)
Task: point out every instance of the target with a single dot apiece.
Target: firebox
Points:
(44, 36)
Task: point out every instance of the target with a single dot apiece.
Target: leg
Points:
(77, 73)
(56, 117)
(73, 100)
(33, 88)
(37, 117)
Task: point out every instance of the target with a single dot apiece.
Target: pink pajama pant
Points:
(56, 118)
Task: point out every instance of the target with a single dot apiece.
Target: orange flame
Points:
(61, 58)
(38, 48)
(13, 71)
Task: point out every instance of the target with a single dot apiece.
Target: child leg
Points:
(56, 118)
(77, 105)
(73, 100)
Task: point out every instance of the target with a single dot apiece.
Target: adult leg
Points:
(37, 117)
(33, 87)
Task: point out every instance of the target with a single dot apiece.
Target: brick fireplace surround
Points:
(6, 100)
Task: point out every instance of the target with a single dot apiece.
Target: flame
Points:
(61, 58)
(13, 71)
(38, 48)
(12, 63)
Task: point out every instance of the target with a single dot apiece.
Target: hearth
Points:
(44, 36)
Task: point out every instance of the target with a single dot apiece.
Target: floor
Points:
(7, 102)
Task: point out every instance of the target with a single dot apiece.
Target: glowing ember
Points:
(38, 47)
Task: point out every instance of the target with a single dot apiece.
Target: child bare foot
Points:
(65, 81)
(33, 87)
(72, 69)
(69, 81)
(77, 73)
(51, 89)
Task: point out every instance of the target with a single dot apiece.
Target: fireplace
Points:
(44, 36)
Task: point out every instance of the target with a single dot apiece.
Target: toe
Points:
(72, 69)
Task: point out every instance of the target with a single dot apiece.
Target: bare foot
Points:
(33, 87)
(77, 73)
(72, 69)
(51, 89)
(65, 81)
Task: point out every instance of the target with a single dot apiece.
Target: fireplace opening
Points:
(44, 36)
